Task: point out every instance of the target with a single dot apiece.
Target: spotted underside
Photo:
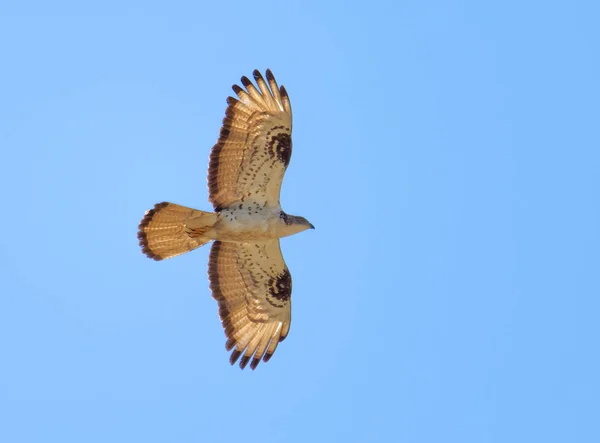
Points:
(253, 287)
(254, 147)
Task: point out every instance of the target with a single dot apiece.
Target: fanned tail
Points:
(168, 230)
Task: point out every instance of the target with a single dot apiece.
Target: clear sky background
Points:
(447, 153)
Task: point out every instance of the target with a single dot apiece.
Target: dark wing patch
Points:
(279, 143)
(280, 289)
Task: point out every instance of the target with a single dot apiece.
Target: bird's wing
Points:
(254, 147)
(253, 287)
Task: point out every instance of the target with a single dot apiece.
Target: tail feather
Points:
(168, 230)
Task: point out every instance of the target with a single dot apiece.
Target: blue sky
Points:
(447, 153)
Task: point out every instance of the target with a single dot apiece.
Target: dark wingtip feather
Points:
(246, 82)
(234, 356)
(230, 344)
(255, 362)
(257, 75)
(267, 357)
(244, 361)
(270, 75)
(236, 89)
(282, 91)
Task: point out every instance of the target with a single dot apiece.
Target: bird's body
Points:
(250, 221)
(248, 276)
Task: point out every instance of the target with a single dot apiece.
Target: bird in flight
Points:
(247, 273)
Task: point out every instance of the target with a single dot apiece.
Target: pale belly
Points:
(243, 225)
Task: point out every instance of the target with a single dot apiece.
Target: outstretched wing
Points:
(254, 146)
(253, 287)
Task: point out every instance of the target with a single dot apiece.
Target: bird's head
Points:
(292, 224)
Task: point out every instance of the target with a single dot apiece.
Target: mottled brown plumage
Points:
(247, 272)
(254, 147)
(255, 312)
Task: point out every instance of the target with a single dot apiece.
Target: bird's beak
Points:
(311, 226)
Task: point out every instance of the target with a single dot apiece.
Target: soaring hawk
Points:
(247, 273)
